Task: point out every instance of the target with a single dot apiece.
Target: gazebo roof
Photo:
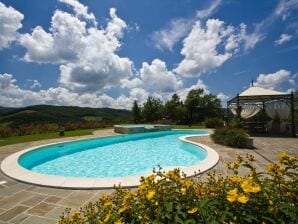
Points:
(258, 91)
(258, 94)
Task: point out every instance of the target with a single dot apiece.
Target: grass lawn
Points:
(37, 137)
(187, 127)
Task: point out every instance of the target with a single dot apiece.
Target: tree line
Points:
(197, 107)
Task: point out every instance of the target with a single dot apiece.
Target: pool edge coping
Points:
(11, 168)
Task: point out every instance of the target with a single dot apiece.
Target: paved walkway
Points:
(25, 203)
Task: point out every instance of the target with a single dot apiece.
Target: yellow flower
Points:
(256, 188)
(174, 175)
(75, 214)
(242, 199)
(293, 159)
(143, 186)
(156, 203)
(235, 179)
(107, 217)
(150, 194)
(249, 187)
(232, 195)
(270, 168)
(118, 222)
(282, 157)
(192, 211)
(123, 209)
(183, 190)
(281, 170)
(107, 203)
(187, 183)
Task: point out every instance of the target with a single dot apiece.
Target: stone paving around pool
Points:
(25, 203)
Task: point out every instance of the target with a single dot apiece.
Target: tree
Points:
(174, 109)
(210, 107)
(152, 109)
(200, 106)
(136, 112)
(192, 103)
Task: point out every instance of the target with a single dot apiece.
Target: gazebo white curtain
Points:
(279, 108)
(247, 111)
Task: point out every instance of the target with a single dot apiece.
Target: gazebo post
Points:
(238, 105)
(265, 128)
(227, 114)
(293, 116)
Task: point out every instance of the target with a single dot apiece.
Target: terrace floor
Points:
(26, 203)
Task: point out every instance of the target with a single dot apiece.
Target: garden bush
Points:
(213, 122)
(233, 137)
(269, 197)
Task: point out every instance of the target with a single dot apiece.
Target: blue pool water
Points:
(117, 156)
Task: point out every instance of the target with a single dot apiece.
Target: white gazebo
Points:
(254, 99)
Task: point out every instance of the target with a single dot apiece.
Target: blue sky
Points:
(109, 53)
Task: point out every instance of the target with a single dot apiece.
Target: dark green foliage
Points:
(200, 106)
(196, 108)
(152, 109)
(136, 112)
(59, 115)
(174, 110)
(213, 122)
(231, 137)
(236, 122)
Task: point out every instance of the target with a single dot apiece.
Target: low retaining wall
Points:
(125, 129)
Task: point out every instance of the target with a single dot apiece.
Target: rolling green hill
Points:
(59, 114)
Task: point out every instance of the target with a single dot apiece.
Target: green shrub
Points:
(231, 137)
(213, 122)
(236, 123)
(173, 198)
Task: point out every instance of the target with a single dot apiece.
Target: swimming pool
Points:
(99, 162)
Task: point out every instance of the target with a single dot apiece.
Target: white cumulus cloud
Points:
(201, 47)
(87, 55)
(223, 98)
(156, 77)
(276, 79)
(10, 23)
(199, 85)
(63, 43)
(80, 10)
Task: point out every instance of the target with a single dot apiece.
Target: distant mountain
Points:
(4, 110)
(59, 114)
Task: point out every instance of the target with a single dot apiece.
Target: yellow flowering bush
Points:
(269, 197)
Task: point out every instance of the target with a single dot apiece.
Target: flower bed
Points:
(171, 197)
(46, 128)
